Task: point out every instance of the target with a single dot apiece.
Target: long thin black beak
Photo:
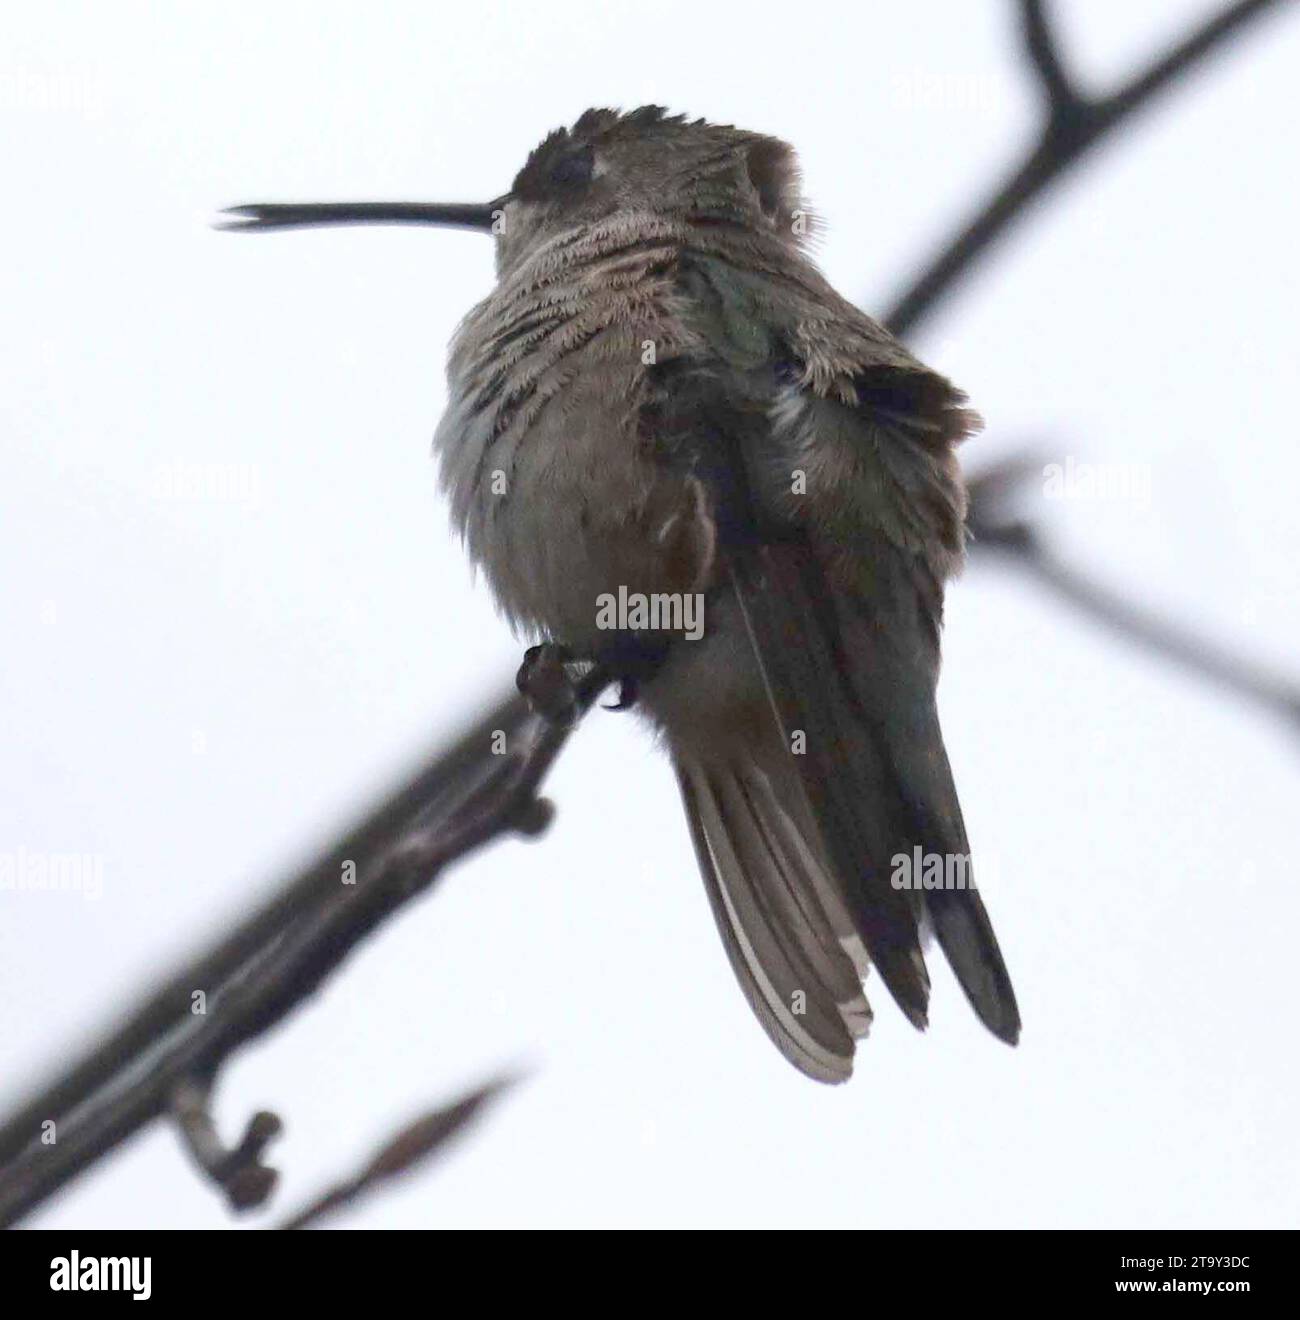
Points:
(303, 215)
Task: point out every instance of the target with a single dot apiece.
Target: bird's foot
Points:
(544, 679)
(629, 688)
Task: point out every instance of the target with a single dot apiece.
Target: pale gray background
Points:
(201, 691)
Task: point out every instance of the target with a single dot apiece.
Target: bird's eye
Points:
(574, 169)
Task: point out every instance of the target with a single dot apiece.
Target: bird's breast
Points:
(555, 480)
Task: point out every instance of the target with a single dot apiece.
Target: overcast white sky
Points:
(198, 692)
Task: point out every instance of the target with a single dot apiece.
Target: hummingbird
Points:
(663, 399)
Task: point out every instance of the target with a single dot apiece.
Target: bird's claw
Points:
(544, 680)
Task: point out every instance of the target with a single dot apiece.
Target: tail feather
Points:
(788, 894)
(857, 677)
(846, 775)
(787, 951)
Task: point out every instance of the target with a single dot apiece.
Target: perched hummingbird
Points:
(663, 397)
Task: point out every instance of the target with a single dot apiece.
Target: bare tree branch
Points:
(502, 799)
(1071, 126)
(996, 529)
(171, 1003)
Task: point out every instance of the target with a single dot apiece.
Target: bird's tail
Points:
(799, 839)
(787, 931)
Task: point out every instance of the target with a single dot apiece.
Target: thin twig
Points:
(237, 1170)
(413, 1145)
(1045, 55)
(996, 528)
(1071, 126)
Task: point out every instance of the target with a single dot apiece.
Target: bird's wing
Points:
(827, 452)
